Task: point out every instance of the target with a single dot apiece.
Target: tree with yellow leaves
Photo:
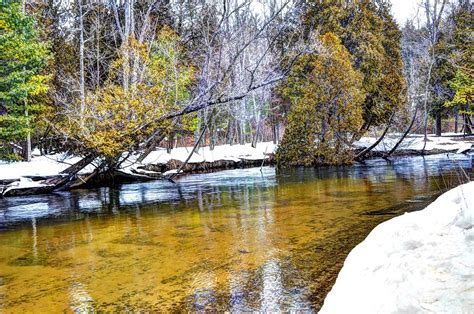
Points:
(118, 120)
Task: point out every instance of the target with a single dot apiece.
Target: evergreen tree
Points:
(369, 32)
(22, 59)
(326, 95)
(461, 59)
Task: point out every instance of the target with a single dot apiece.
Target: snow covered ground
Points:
(53, 164)
(38, 166)
(413, 142)
(417, 263)
(221, 152)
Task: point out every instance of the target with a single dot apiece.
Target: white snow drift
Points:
(53, 164)
(416, 142)
(416, 263)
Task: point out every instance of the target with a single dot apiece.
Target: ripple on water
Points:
(234, 240)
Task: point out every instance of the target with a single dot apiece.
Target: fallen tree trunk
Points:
(52, 184)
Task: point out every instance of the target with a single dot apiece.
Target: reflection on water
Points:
(238, 240)
(80, 300)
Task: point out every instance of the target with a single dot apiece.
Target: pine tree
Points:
(22, 59)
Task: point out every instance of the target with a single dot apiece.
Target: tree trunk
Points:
(212, 136)
(394, 148)
(27, 148)
(425, 106)
(128, 11)
(438, 124)
(191, 154)
(456, 115)
(274, 134)
(151, 146)
(242, 133)
(230, 132)
(255, 136)
(362, 154)
(82, 94)
(467, 125)
(278, 136)
(169, 143)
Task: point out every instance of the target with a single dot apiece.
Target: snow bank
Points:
(205, 154)
(418, 262)
(23, 183)
(54, 164)
(413, 142)
(38, 166)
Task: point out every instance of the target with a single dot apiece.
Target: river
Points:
(236, 240)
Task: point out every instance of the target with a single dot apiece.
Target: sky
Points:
(404, 9)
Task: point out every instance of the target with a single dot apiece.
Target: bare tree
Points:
(433, 10)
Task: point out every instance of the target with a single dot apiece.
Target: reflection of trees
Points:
(250, 226)
(206, 192)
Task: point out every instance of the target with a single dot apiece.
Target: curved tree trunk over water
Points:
(394, 148)
(361, 156)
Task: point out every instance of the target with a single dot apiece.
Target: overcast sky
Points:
(404, 9)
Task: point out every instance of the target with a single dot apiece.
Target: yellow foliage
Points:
(117, 120)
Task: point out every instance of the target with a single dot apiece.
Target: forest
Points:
(108, 78)
(254, 156)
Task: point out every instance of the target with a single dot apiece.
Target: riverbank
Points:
(160, 160)
(413, 144)
(419, 261)
(20, 178)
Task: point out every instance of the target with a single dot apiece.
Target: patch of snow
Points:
(23, 183)
(170, 172)
(464, 148)
(143, 171)
(50, 165)
(38, 166)
(419, 262)
(411, 142)
(205, 154)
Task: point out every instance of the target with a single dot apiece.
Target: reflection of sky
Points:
(206, 188)
(80, 299)
(272, 287)
(238, 293)
(203, 285)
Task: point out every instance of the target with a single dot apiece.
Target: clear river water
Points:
(236, 240)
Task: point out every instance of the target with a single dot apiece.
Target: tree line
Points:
(106, 79)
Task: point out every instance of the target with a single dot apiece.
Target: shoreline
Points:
(422, 259)
(24, 178)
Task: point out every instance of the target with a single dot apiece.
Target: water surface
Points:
(237, 240)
